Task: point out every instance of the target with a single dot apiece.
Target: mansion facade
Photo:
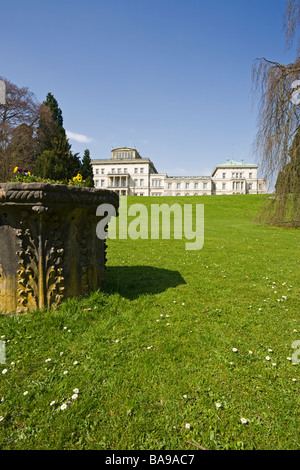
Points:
(127, 173)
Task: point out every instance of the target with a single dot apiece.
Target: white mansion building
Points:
(128, 173)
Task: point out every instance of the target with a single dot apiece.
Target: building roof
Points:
(233, 164)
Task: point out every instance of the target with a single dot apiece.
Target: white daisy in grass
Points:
(244, 421)
(74, 396)
(187, 426)
(52, 403)
(250, 352)
(4, 371)
(65, 372)
(234, 349)
(294, 380)
(63, 406)
(76, 390)
(289, 358)
(268, 358)
(75, 363)
(218, 405)
(25, 393)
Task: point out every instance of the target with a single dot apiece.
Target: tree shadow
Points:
(133, 281)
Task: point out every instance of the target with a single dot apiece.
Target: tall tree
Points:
(52, 138)
(87, 169)
(279, 116)
(288, 179)
(56, 112)
(18, 121)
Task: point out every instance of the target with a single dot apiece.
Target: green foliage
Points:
(53, 139)
(56, 112)
(87, 169)
(50, 165)
(288, 180)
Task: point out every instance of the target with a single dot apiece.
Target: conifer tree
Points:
(87, 169)
(52, 138)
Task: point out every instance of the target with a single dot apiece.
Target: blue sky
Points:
(169, 77)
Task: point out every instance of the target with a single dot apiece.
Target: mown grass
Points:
(166, 338)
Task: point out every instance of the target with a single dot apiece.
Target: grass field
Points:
(179, 348)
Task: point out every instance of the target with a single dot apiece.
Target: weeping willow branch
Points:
(277, 142)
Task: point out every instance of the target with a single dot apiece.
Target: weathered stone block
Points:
(49, 250)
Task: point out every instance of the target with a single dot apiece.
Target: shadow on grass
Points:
(133, 281)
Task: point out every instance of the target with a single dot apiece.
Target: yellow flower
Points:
(74, 178)
(16, 169)
(29, 174)
(79, 177)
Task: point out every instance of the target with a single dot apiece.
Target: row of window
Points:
(236, 175)
(118, 171)
(122, 155)
(188, 185)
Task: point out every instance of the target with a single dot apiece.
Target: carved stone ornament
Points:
(49, 250)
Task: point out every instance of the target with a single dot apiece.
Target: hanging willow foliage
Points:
(277, 140)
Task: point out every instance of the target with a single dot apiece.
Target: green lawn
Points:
(175, 349)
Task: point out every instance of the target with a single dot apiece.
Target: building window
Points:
(223, 185)
(102, 171)
(141, 182)
(223, 175)
(125, 171)
(102, 183)
(135, 170)
(250, 186)
(141, 170)
(204, 185)
(178, 186)
(250, 175)
(135, 183)
(187, 185)
(119, 171)
(195, 185)
(97, 183)
(241, 175)
(97, 171)
(113, 171)
(169, 185)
